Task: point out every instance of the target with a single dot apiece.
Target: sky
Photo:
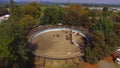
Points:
(80, 1)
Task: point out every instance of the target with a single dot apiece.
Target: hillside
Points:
(4, 1)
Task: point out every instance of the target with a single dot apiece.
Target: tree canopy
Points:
(32, 9)
(52, 16)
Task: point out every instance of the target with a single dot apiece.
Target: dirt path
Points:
(108, 63)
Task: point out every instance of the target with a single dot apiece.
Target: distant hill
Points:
(40, 2)
(58, 3)
(4, 1)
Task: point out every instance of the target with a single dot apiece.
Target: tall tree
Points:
(33, 9)
(97, 49)
(116, 28)
(105, 25)
(76, 15)
(112, 41)
(26, 24)
(14, 11)
(12, 46)
(52, 16)
(105, 9)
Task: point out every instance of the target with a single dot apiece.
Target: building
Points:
(113, 9)
(4, 18)
(95, 8)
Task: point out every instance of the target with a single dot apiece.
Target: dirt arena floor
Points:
(57, 44)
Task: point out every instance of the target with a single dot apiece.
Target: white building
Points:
(95, 8)
(114, 9)
(4, 18)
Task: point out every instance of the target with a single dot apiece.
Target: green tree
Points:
(75, 15)
(105, 25)
(94, 13)
(116, 28)
(33, 9)
(12, 46)
(14, 12)
(52, 16)
(105, 9)
(97, 49)
(26, 24)
(3, 11)
(112, 42)
(105, 12)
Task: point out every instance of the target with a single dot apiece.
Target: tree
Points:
(6, 38)
(78, 9)
(117, 19)
(14, 12)
(116, 28)
(112, 41)
(105, 9)
(52, 16)
(12, 46)
(3, 11)
(26, 24)
(94, 13)
(97, 49)
(76, 15)
(105, 25)
(33, 9)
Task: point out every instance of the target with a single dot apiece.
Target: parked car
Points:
(117, 60)
(114, 55)
(118, 51)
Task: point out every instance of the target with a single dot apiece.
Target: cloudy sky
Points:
(80, 1)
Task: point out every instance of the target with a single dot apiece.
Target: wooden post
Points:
(66, 61)
(80, 59)
(51, 61)
(73, 60)
(44, 60)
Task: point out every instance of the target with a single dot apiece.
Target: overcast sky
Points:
(80, 1)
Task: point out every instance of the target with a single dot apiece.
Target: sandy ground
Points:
(57, 44)
(108, 63)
